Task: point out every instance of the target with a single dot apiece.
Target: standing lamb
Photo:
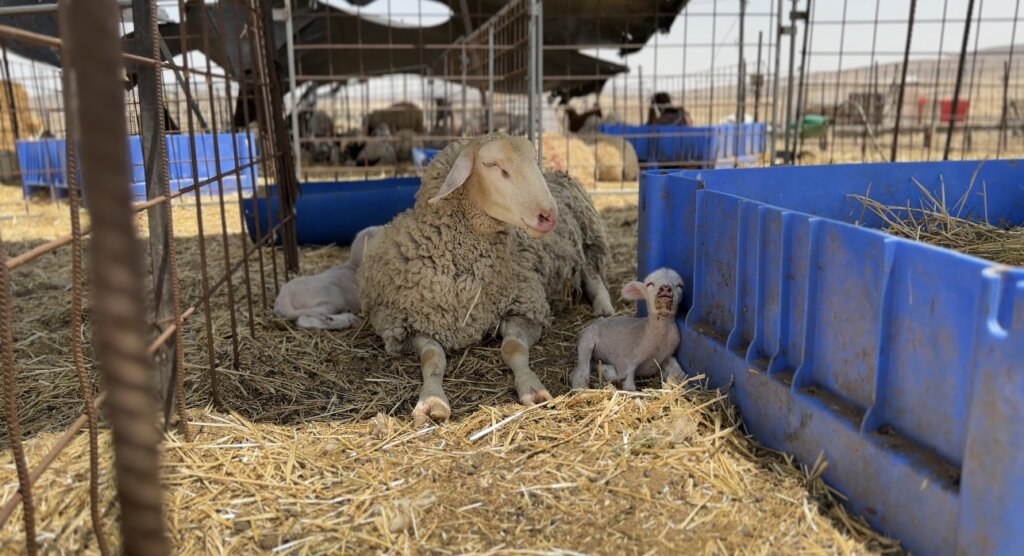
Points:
(329, 299)
(480, 253)
(628, 347)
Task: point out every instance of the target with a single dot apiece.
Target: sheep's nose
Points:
(546, 220)
(665, 290)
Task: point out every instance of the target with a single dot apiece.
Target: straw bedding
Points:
(315, 452)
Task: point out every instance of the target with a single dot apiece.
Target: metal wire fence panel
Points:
(156, 146)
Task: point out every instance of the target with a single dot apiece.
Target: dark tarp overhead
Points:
(625, 24)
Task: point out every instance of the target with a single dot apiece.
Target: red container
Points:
(946, 107)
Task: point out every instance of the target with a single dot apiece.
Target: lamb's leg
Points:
(340, 321)
(610, 373)
(433, 403)
(517, 336)
(629, 378)
(600, 301)
(580, 378)
(671, 372)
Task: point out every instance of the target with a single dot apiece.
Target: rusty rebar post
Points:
(11, 405)
(85, 384)
(93, 57)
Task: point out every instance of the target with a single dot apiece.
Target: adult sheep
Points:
(479, 253)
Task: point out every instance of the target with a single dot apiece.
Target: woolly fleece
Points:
(450, 271)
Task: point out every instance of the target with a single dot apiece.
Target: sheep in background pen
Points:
(328, 300)
(614, 158)
(379, 151)
(662, 112)
(480, 253)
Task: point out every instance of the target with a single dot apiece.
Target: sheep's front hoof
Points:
(532, 392)
(603, 310)
(430, 407)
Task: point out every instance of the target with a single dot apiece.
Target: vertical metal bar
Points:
(85, 384)
(540, 82)
(11, 406)
(790, 77)
(640, 92)
(965, 142)
(154, 152)
(464, 62)
(836, 104)
(801, 90)
(711, 74)
(93, 56)
(959, 80)
(760, 78)
(903, 82)
(490, 78)
(775, 86)
(292, 87)
(741, 82)
(531, 72)
(288, 183)
(1006, 83)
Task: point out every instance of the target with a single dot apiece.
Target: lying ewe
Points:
(627, 347)
(379, 151)
(329, 299)
(479, 253)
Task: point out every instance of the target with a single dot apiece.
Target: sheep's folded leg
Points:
(433, 403)
(600, 301)
(517, 337)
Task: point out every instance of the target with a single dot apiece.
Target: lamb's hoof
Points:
(431, 407)
(533, 393)
(674, 380)
(602, 310)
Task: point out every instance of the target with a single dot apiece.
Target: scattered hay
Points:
(315, 452)
(936, 224)
(661, 471)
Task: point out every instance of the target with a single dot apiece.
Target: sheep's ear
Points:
(634, 291)
(460, 171)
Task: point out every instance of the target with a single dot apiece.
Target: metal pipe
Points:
(531, 74)
(94, 58)
(789, 83)
(540, 82)
(775, 85)
(741, 82)
(490, 78)
(903, 83)
(959, 80)
(760, 78)
(289, 30)
(801, 88)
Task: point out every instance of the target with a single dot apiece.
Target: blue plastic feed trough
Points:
(42, 163)
(333, 212)
(902, 364)
(717, 146)
(421, 157)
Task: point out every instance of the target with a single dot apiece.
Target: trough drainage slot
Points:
(840, 407)
(940, 470)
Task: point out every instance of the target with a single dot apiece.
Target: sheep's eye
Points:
(650, 284)
(490, 164)
(679, 287)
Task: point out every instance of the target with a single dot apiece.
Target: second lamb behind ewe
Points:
(329, 299)
(480, 252)
(628, 347)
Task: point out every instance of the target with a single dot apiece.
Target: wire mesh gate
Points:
(131, 318)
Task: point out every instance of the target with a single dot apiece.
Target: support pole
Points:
(903, 83)
(959, 80)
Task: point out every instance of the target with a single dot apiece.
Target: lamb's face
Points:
(510, 187)
(662, 290)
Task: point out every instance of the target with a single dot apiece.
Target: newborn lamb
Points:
(627, 347)
(328, 300)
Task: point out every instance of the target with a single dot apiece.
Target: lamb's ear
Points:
(460, 171)
(634, 291)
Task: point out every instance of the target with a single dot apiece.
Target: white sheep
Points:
(479, 253)
(379, 151)
(328, 300)
(627, 347)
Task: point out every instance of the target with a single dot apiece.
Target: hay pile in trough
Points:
(935, 223)
(315, 453)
